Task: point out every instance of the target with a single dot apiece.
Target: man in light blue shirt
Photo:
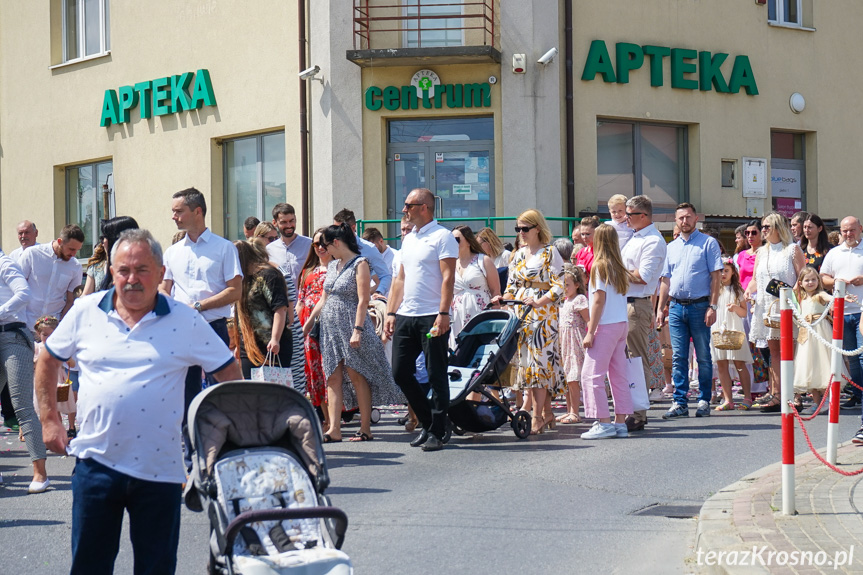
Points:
(369, 251)
(690, 279)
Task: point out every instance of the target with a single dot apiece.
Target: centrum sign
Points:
(690, 69)
(158, 97)
(426, 87)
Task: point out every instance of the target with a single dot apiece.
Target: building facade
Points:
(107, 108)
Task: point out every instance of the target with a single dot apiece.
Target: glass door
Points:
(405, 172)
(463, 183)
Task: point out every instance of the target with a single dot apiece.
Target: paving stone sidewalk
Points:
(744, 521)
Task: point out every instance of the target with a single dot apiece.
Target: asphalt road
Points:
(489, 503)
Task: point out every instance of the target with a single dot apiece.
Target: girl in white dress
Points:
(476, 282)
(812, 360)
(730, 311)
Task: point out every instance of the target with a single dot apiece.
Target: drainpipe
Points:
(304, 128)
(570, 136)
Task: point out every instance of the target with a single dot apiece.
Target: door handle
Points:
(439, 203)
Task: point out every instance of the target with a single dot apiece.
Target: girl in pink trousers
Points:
(605, 341)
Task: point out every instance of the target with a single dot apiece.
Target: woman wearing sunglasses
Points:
(536, 278)
(745, 259)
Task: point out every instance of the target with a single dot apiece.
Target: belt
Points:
(635, 299)
(690, 301)
(538, 285)
(12, 326)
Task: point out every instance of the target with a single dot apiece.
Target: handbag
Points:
(727, 339)
(315, 332)
(637, 385)
(774, 286)
(272, 373)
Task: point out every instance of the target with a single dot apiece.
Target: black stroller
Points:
(259, 471)
(483, 351)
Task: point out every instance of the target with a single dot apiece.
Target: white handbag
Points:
(273, 373)
(637, 385)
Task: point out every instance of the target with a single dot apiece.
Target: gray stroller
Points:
(259, 471)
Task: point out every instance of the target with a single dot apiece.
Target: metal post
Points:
(786, 380)
(836, 366)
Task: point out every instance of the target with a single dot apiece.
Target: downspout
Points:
(304, 128)
(570, 135)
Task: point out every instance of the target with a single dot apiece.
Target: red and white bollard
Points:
(786, 382)
(836, 364)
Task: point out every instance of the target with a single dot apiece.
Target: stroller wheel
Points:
(348, 416)
(457, 430)
(376, 415)
(521, 424)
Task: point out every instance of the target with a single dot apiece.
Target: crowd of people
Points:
(363, 324)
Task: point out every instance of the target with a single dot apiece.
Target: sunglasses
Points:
(409, 205)
(630, 214)
(271, 238)
(458, 239)
(751, 232)
(523, 229)
(324, 245)
(765, 227)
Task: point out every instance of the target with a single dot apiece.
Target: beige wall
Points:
(50, 118)
(784, 61)
(375, 125)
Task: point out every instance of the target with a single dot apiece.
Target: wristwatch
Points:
(197, 306)
(713, 307)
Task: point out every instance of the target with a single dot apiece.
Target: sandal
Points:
(764, 400)
(570, 418)
(361, 436)
(329, 439)
(744, 405)
(773, 406)
(725, 406)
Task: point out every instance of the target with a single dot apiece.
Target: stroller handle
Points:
(243, 519)
(506, 302)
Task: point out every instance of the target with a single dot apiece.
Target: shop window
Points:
(635, 158)
(86, 30)
(427, 24)
(255, 179)
(89, 200)
(788, 172)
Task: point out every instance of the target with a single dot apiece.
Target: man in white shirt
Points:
(418, 315)
(53, 273)
(289, 253)
(202, 271)
(369, 251)
(797, 225)
(644, 257)
(133, 346)
(292, 249)
(375, 236)
(27, 234)
(845, 262)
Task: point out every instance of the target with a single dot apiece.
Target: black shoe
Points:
(433, 443)
(852, 401)
(771, 408)
(421, 438)
(634, 425)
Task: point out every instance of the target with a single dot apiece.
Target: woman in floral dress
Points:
(476, 282)
(536, 278)
(311, 282)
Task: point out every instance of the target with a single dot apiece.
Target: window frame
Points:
(260, 203)
(416, 5)
(108, 211)
(637, 168)
(780, 18)
(81, 30)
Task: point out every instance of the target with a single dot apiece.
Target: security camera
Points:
(310, 73)
(546, 58)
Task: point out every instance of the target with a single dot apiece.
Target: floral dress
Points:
(539, 362)
(470, 296)
(572, 331)
(310, 293)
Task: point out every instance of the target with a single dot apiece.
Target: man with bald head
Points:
(845, 262)
(27, 234)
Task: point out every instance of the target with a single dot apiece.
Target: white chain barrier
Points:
(810, 328)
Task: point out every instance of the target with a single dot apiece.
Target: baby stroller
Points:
(483, 351)
(259, 471)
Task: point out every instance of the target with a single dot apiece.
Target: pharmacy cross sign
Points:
(424, 81)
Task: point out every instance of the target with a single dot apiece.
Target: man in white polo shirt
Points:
(53, 273)
(27, 234)
(845, 262)
(133, 346)
(418, 315)
(644, 256)
(202, 271)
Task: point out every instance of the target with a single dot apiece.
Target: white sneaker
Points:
(656, 395)
(600, 431)
(39, 486)
(621, 430)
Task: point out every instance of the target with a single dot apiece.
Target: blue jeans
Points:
(686, 322)
(100, 495)
(851, 340)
